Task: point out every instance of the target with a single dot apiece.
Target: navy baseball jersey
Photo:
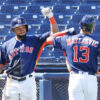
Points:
(21, 55)
(81, 51)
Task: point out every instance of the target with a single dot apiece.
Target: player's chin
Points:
(21, 36)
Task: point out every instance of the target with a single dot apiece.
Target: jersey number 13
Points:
(84, 57)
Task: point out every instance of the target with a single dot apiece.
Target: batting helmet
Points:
(18, 21)
(88, 23)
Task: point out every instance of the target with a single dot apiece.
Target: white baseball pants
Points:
(24, 90)
(82, 87)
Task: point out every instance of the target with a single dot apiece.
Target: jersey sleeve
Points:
(59, 42)
(71, 31)
(44, 36)
(2, 55)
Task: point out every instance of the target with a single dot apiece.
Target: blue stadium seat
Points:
(2, 1)
(43, 28)
(97, 29)
(5, 18)
(47, 59)
(62, 27)
(18, 2)
(45, 53)
(61, 19)
(69, 2)
(63, 9)
(45, 20)
(57, 53)
(32, 19)
(2, 38)
(89, 9)
(92, 2)
(98, 20)
(9, 9)
(76, 19)
(3, 30)
(44, 2)
(34, 9)
(32, 30)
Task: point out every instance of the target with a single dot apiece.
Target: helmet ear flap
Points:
(27, 28)
(84, 28)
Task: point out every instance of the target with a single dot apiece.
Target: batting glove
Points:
(47, 12)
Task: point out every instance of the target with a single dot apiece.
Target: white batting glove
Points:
(47, 12)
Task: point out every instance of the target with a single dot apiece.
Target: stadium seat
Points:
(18, 2)
(89, 9)
(2, 1)
(97, 29)
(63, 9)
(61, 19)
(32, 30)
(8, 9)
(69, 2)
(3, 31)
(45, 20)
(32, 19)
(76, 19)
(57, 53)
(92, 2)
(43, 28)
(34, 9)
(2, 38)
(98, 20)
(5, 19)
(47, 59)
(44, 2)
(45, 53)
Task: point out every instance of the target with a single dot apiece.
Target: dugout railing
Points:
(50, 86)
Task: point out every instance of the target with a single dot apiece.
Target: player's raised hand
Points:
(47, 12)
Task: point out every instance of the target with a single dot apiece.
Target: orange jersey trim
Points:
(68, 67)
(46, 43)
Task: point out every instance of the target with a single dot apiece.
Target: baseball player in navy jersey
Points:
(82, 52)
(20, 53)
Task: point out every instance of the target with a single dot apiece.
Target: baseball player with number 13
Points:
(20, 53)
(82, 51)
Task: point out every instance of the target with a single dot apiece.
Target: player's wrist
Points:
(52, 20)
(50, 15)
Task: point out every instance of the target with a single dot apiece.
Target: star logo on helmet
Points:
(19, 21)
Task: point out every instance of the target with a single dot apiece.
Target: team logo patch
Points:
(19, 21)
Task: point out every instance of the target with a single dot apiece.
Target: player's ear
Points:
(13, 30)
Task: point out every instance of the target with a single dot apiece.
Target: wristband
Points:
(52, 20)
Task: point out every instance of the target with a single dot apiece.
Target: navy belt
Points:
(82, 72)
(19, 79)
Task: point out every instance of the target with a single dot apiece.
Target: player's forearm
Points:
(53, 25)
(54, 28)
(49, 40)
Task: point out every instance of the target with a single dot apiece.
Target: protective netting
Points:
(2, 83)
(59, 89)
